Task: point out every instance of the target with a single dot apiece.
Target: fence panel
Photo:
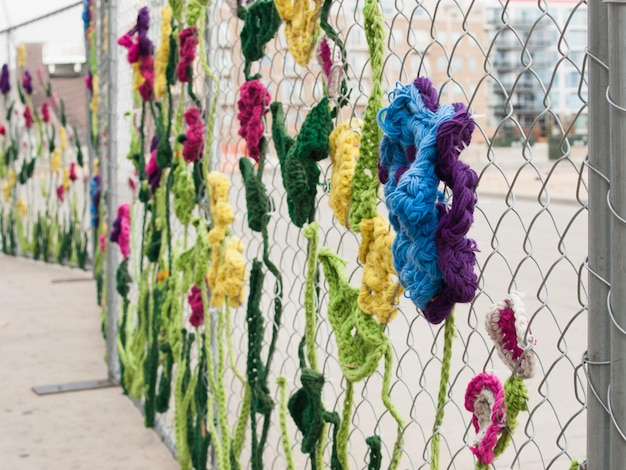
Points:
(518, 66)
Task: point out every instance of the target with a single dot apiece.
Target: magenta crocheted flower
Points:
(484, 398)
(507, 326)
(120, 232)
(253, 103)
(197, 309)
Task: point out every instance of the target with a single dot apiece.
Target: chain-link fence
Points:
(44, 139)
(520, 67)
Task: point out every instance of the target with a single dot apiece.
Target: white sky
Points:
(62, 29)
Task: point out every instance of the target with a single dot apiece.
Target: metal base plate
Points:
(73, 387)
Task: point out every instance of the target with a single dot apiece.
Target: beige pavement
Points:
(50, 334)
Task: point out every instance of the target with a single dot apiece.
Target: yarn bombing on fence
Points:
(344, 151)
(140, 50)
(253, 102)
(421, 145)
(120, 232)
(261, 22)
(188, 38)
(153, 171)
(507, 325)
(298, 158)
(193, 144)
(5, 82)
(484, 398)
(197, 309)
(300, 25)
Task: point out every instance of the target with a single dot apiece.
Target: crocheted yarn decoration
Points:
(329, 58)
(193, 145)
(507, 325)
(261, 22)
(344, 151)
(379, 292)
(163, 52)
(253, 102)
(153, 171)
(188, 39)
(300, 24)
(421, 145)
(484, 398)
(197, 309)
(140, 50)
(298, 166)
(257, 200)
(120, 232)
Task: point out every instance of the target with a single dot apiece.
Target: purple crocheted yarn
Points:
(457, 256)
(5, 83)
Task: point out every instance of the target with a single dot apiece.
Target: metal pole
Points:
(599, 330)
(110, 10)
(617, 200)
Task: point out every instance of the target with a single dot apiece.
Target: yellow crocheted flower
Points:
(63, 138)
(55, 160)
(95, 94)
(6, 191)
(221, 211)
(22, 207)
(66, 178)
(12, 178)
(230, 276)
(379, 294)
(163, 52)
(344, 150)
(21, 56)
(300, 25)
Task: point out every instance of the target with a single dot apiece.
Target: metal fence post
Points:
(599, 330)
(617, 201)
(110, 10)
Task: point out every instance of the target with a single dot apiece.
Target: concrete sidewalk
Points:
(50, 334)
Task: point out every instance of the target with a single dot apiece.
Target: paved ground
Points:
(49, 334)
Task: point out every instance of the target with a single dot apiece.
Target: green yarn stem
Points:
(152, 361)
(448, 336)
(311, 232)
(210, 134)
(344, 428)
(386, 391)
(365, 180)
(282, 415)
(376, 456)
(185, 386)
(239, 436)
(262, 402)
(515, 399)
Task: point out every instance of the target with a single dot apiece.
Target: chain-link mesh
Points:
(520, 67)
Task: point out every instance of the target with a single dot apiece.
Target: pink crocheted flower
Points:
(329, 58)
(120, 232)
(197, 309)
(484, 398)
(507, 326)
(45, 112)
(73, 175)
(253, 103)
(61, 193)
(28, 117)
(188, 41)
